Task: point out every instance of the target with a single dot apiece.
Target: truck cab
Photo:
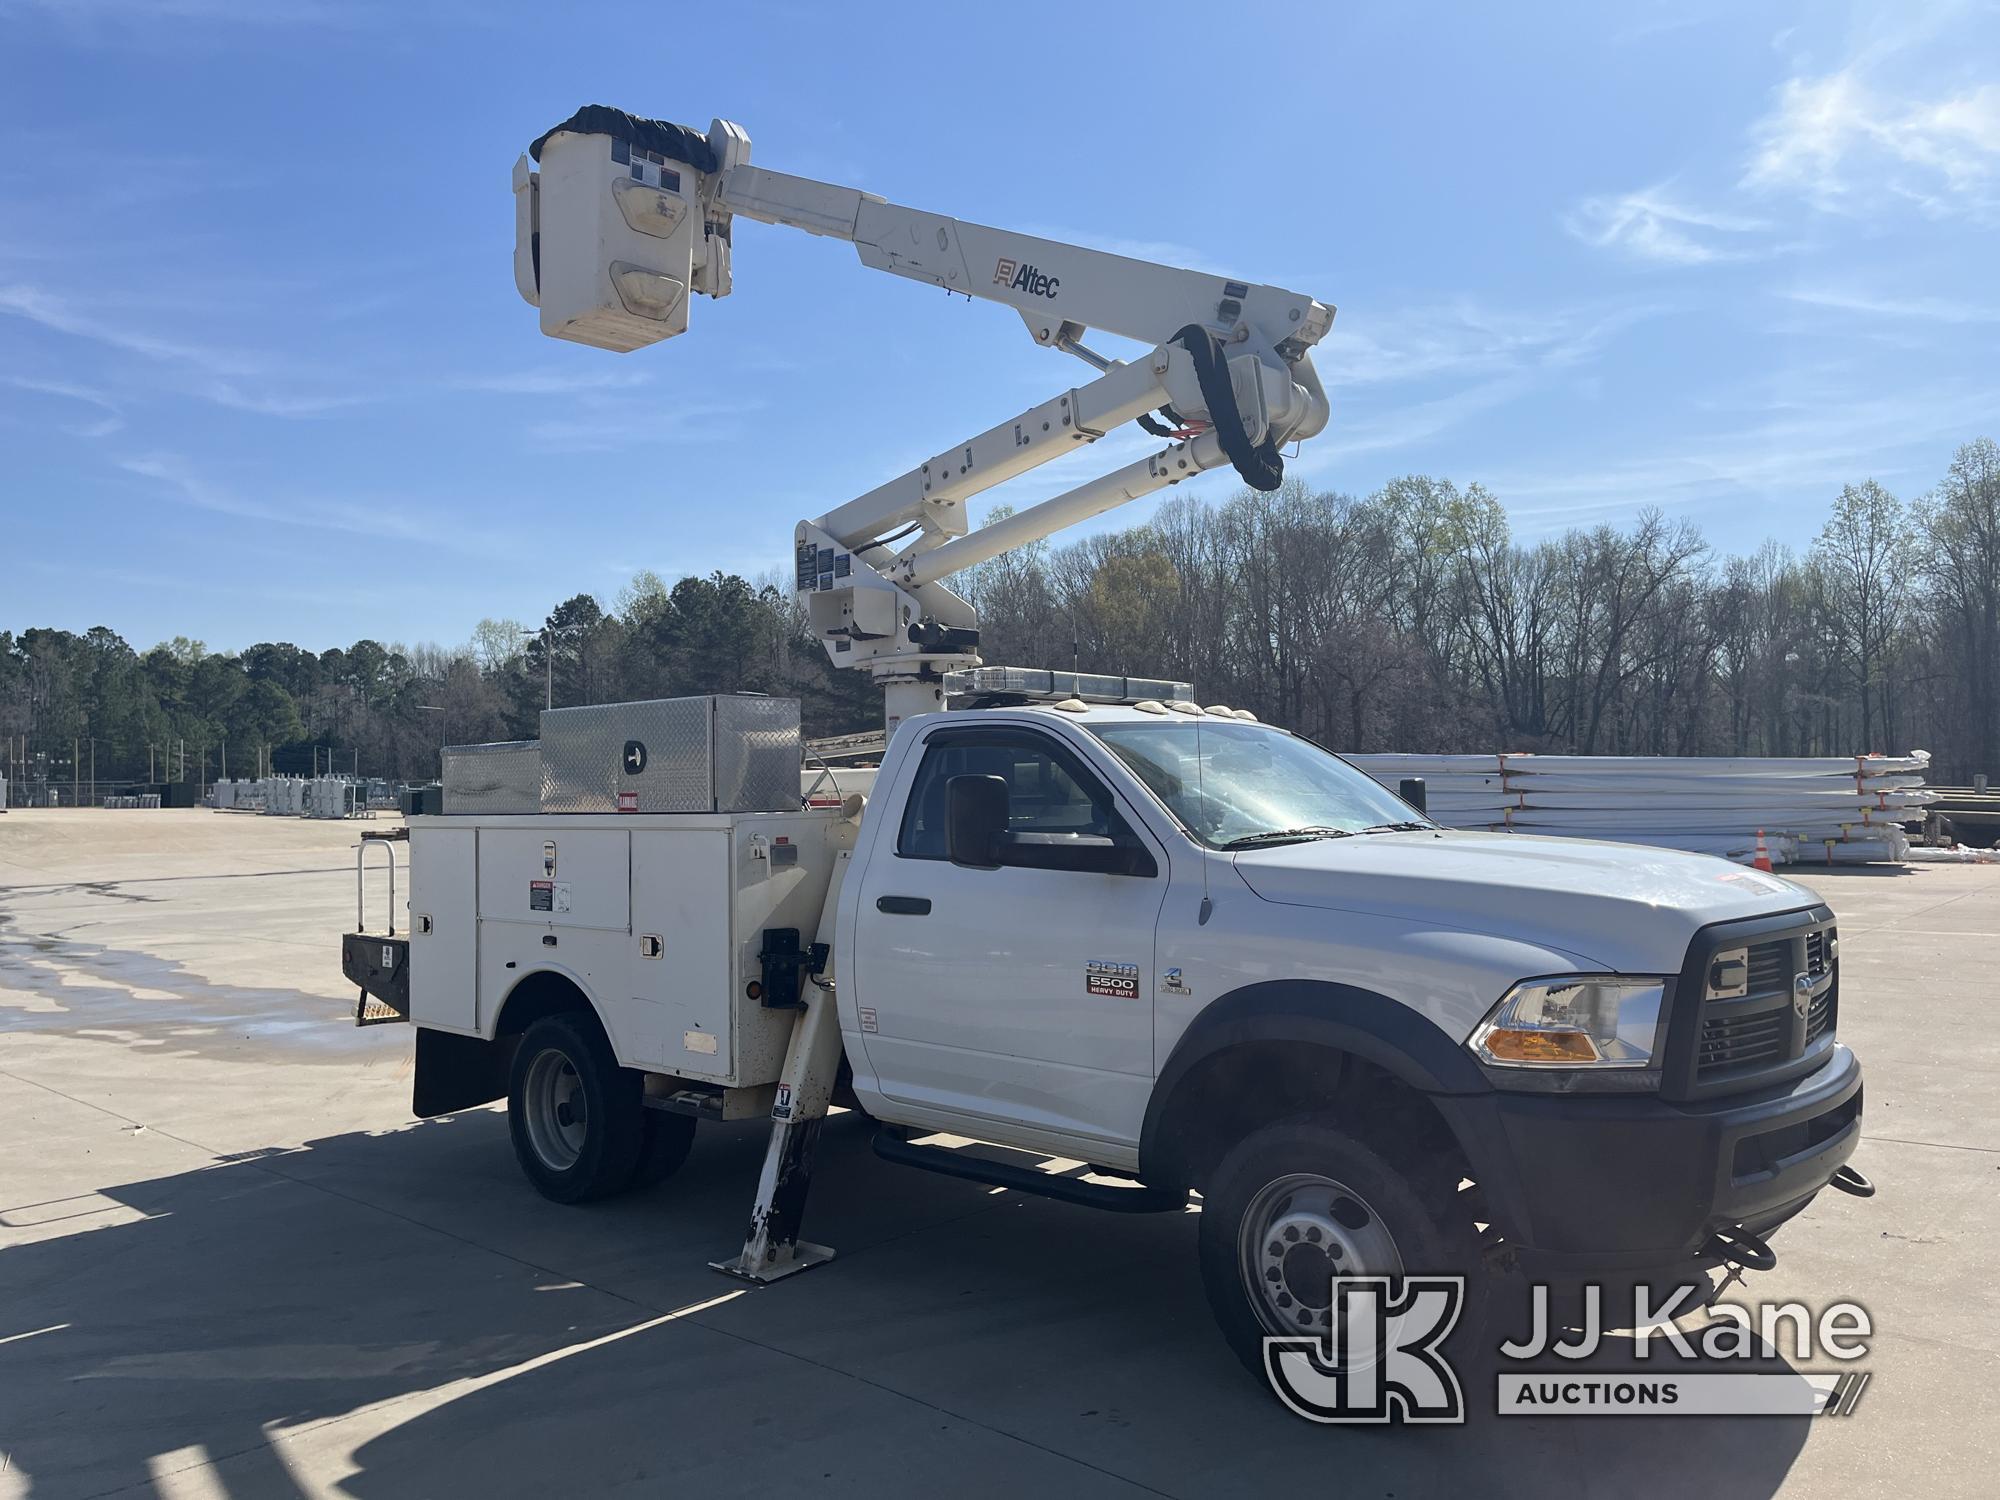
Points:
(1179, 933)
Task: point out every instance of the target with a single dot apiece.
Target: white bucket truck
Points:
(1090, 919)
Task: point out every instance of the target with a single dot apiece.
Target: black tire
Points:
(1413, 1204)
(668, 1138)
(574, 1154)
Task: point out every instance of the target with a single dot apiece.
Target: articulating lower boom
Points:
(627, 218)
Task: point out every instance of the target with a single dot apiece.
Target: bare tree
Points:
(1861, 557)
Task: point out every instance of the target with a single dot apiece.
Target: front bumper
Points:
(1582, 1183)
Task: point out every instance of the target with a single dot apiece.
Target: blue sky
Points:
(263, 373)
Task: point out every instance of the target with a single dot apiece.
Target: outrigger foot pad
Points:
(801, 1256)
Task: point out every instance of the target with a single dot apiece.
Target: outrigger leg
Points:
(773, 1249)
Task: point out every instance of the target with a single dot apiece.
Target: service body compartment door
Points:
(444, 928)
(681, 887)
(558, 877)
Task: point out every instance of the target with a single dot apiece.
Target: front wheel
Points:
(575, 1115)
(1294, 1205)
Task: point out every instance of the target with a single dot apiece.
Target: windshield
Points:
(1253, 784)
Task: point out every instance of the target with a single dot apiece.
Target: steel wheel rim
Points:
(558, 1121)
(1300, 1231)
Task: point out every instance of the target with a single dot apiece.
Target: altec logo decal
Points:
(1024, 278)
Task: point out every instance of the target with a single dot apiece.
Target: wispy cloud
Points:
(1800, 444)
(206, 372)
(1408, 424)
(1649, 225)
(1931, 309)
(1463, 339)
(1841, 142)
(191, 488)
(62, 315)
(552, 382)
(1500, 357)
(111, 421)
(605, 424)
(351, 595)
(1896, 121)
(275, 403)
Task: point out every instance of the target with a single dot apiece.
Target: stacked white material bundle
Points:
(1832, 810)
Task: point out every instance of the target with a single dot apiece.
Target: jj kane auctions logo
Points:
(1024, 278)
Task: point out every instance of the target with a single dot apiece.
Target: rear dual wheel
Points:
(580, 1125)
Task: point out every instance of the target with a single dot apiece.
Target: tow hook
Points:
(1850, 1181)
(1738, 1247)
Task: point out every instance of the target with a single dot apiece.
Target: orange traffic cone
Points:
(1763, 859)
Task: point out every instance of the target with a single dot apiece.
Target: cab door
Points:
(1019, 995)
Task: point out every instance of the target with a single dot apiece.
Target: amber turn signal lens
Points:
(1540, 1047)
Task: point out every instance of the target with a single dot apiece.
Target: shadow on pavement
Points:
(397, 1314)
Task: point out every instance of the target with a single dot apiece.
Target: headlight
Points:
(1574, 1021)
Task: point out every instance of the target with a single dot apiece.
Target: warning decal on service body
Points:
(548, 895)
(1119, 981)
(782, 1109)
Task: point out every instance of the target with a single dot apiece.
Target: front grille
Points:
(1771, 967)
(1745, 1038)
(1731, 1041)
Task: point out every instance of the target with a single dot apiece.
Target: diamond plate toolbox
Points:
(500, 778)
(723, 753)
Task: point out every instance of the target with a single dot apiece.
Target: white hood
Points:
(1625, 908)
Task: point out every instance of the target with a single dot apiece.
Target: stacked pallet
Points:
(1832, 810)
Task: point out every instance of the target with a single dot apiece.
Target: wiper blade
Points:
(1286, 836)
(1399, 828)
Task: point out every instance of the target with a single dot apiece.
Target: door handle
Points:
(904, 906)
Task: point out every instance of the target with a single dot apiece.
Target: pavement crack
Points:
(1896, 1140)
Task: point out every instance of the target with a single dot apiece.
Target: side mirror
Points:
(975, 818)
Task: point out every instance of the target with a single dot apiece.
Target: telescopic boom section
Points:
(628, 217)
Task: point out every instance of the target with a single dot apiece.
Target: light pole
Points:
(436, 708)
(549, 633)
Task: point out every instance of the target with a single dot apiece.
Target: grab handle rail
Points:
(388, 839)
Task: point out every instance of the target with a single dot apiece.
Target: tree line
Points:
(1410, 619)
(72, 703)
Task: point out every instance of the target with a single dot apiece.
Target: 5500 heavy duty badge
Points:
(1119, 981)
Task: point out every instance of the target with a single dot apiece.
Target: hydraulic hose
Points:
(1258, 463)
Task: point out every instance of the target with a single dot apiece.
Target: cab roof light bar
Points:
(1038, 685)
